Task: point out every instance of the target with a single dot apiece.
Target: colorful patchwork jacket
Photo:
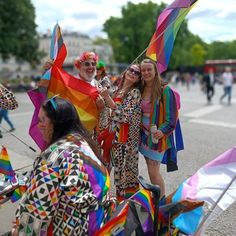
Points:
(67, 191)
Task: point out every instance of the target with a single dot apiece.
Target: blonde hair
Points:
(158, 83)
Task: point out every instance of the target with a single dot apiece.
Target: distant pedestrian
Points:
(7, 102)
(209, 83)
(227, 78)
(4, 115)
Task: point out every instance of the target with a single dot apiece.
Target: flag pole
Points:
(214, 206)
(31, 148)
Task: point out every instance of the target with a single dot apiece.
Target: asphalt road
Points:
(208, 131)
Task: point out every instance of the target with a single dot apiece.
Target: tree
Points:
(130, 34)
(18, 31)
(198, 54)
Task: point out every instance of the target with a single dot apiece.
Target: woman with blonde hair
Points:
(159, 119)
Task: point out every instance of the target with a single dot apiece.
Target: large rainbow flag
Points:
(168, 24)
(80, 93)
(56, 81)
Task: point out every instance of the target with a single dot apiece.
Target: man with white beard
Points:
(86, 65)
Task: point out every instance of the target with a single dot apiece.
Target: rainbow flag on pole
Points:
(57, 54)
(5, 165)
(168, 24)
(56, 81)
(9, 174)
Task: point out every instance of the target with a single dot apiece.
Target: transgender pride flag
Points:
(214, 184)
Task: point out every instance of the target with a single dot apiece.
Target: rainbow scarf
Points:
(168, 24)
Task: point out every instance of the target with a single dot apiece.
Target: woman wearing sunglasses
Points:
(68, 186)
(124, 125)
(159, 120)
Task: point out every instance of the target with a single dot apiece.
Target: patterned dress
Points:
(66, 193)
(7, 99)
(126, 121)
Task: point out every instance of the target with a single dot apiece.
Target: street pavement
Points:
(208, 130)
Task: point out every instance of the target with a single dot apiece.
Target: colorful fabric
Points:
(7, 99)
(68, 187)
(144, 148)
(56, 81)
(126, 218)
(37, 97)
(125, 121)
(115, 226)
(208, 184)
(82, 94)
(5, 165)
(168, 24)
(9, 175)
(165, 115)
(57, 55)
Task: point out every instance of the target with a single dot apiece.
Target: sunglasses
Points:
(134, 72)
(87, 64)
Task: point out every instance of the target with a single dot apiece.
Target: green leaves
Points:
(18, 30)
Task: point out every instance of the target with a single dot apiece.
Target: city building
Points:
(76, 43)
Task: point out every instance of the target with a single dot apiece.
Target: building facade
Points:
(76, 44)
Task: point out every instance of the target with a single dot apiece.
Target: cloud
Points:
(85, 16)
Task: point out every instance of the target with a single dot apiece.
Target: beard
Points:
(87, 77)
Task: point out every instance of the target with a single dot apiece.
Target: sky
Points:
(212, 20)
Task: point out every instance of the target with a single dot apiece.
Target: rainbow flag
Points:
(5, 165)
(80, 93)
(144, 197)
(7, 170)
(168, 24)
(115, 226)
(56, 81)
(57, 54)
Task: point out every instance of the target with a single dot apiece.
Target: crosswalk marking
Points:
(22, 114)
(213, 123)
(203, 111)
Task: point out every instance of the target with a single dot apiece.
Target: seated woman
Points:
(68, 186)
